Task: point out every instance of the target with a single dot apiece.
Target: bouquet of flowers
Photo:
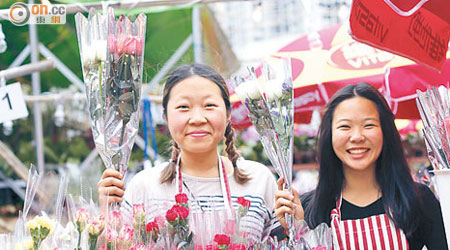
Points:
(272, 112)
(434, 109)
(319, 238)
(139, 228)
(112, 53)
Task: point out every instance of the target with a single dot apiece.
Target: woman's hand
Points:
(287, 203)
(110, 188)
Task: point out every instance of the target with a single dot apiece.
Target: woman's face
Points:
(196, 115)
(357, 136)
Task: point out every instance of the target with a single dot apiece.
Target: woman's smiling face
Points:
(196, 115)
(357, 136)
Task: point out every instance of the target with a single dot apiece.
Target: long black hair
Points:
(392, 172)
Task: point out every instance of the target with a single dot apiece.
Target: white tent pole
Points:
(36, 86)
(197, 34)
(21, 57)
(62, 67)
(27, 69)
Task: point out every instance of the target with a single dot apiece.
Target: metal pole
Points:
(36, 86)
(27, 69)
(62, 67)
(197, 34)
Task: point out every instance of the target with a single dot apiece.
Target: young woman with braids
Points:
(365, 191)
(197, 111)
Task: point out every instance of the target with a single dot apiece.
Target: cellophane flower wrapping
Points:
(169, 227)
(319, 238)
(112, 53)
(271, 111)
(434, 109)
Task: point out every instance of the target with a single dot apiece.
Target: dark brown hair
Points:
(179, 74)
(392, 171)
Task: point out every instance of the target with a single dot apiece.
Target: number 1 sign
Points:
(12, 103)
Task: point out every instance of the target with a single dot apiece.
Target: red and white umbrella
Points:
(334, 61)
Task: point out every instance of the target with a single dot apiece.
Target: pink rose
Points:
(131, 45)
(112, 43)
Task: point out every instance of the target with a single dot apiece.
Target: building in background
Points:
(256, 29)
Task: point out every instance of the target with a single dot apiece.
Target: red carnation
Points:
(222, 239)
(181, 198)
(171, 215)
(182, 211)
(151, 226)
(243, 202)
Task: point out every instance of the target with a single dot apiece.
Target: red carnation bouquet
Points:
(178, 226)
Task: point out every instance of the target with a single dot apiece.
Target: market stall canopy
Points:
(416, 29)
(325, 61)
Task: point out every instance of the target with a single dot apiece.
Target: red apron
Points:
(374, 232)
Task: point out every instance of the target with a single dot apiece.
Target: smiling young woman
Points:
(365, 191)
(198, 114)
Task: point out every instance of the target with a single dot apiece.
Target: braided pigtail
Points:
(233, 155)
(169, 173)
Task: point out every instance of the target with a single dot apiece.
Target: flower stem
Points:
(79, 241)
(122, 135)
(92, 244)
(100, 73)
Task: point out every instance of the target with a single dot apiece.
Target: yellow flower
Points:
(32, 224)
(96, 226)
(81, 218)
(24, 245)
(46, 222)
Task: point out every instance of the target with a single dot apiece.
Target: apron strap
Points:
(335, 223)
(336, 212)
(224, 184)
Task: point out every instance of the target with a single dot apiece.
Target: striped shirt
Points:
(208, 215)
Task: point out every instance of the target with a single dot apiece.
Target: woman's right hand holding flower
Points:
(287, 202)
(110, 188)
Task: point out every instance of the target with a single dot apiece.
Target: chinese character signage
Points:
(419, 34)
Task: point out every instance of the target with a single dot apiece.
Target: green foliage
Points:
(304, 143)
(166, 31)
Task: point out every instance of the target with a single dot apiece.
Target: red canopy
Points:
(416, 29)
(318, 73)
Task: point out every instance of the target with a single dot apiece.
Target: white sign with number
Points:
(12, 103)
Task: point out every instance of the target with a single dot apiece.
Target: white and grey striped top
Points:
(206, 202)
